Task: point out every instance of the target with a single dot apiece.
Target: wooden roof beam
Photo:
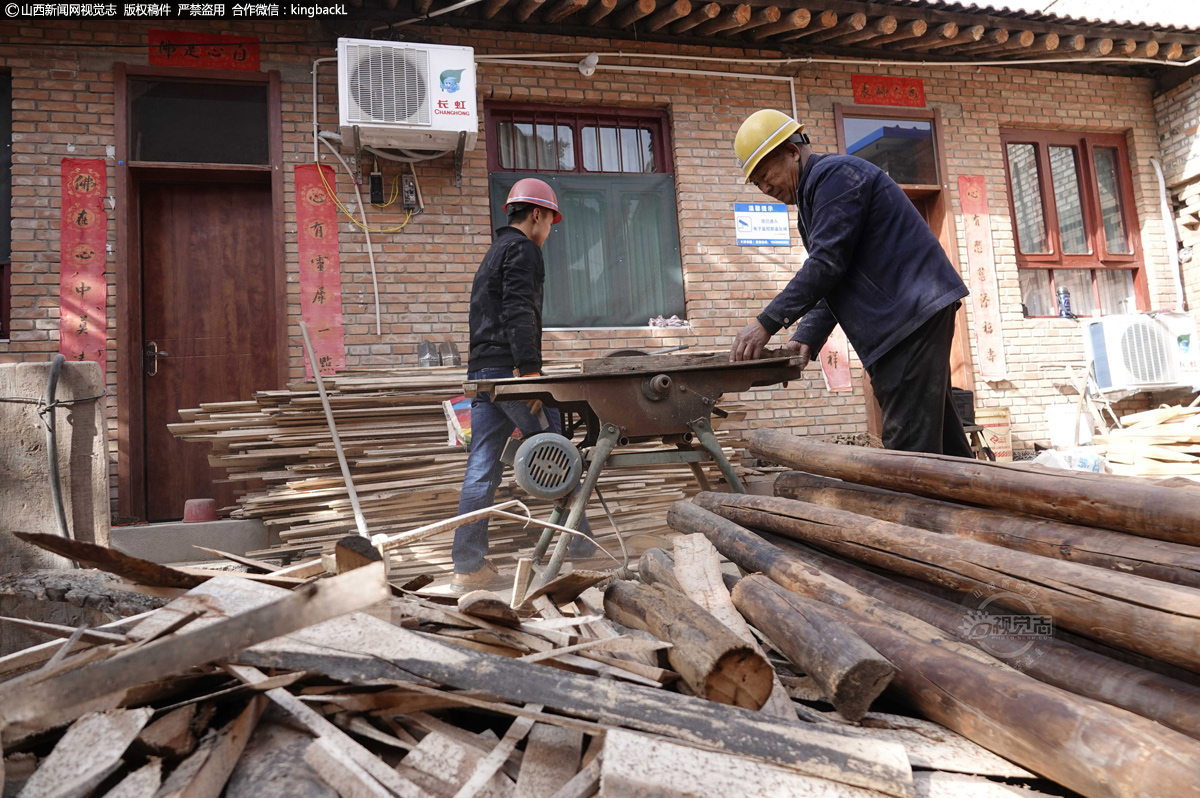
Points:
(946, 35)
(564, 9)
(1095, 48)
(526, 8)
(796, 20)
(492, 7)
(668, 14)
(600, 10)
(913, 29)
(1145, 50)
(851, 24)
(1071, 44)
(633, 12)
(763, 16)
(731, 18)
(823, 21)
(1020, 42)
(991, 39)
(706, 12)
(884, 26)
(1172, 51)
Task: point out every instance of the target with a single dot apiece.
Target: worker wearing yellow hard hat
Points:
(873, 266)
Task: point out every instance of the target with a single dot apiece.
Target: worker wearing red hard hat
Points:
(506, 341)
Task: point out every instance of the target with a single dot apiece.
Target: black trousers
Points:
(912, 383)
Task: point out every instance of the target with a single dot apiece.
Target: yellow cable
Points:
(357, 223)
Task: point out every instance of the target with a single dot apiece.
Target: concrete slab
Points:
(175, 542)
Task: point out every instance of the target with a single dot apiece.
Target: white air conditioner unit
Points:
(401, 95)
(1143, 352)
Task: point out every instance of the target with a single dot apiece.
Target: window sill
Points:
(684, 326)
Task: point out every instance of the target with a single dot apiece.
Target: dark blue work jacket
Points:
(873, 265)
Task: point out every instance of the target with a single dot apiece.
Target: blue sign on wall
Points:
(762, 224)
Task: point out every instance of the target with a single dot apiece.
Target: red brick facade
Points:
(63, 106)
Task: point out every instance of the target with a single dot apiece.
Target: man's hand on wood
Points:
(802, 349)
(750, 342)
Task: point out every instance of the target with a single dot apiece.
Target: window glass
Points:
(1116, 238)
(1027, 199)
(1116, 291)
(1079, 283)
(1036, 296)
(1068, 201)
(901, 147)
(186, 122)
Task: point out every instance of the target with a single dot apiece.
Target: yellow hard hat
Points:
(762, 132)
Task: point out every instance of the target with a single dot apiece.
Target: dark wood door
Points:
(207, 293)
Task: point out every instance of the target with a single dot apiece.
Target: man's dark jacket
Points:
(873, 265)
(506, 305)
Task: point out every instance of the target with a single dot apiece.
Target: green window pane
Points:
(1029, 213)
(1068, 201)
(614, 260)
(1116, 237)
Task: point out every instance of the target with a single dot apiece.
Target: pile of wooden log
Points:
(1164, 442)
(1052, 618)
(234, 684)
(393, 428)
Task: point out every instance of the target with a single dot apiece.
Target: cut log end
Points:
(860, 686)
(741, 678)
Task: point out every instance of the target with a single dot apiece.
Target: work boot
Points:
(486, 577)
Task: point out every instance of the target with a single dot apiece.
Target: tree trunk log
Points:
(850, 673)
(712, 660)
(753, 554)
(1169, 701)
(1153, 618)
(1129, 554)
(1155, 512)
(656, 567)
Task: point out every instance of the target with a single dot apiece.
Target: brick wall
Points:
(63, 100)
(1178, 115)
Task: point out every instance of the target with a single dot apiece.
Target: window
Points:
(5, 203)
(179, 121)
(614, 259)
(901, 147)
(1074, 221)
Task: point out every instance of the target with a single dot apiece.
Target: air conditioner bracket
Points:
(458, 158)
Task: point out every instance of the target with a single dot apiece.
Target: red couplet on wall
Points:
(83, 236)
(887, 90)
(984, 284)
(198, 50)
(835, 362)
(320, 267)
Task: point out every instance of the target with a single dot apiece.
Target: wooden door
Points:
(208, 303)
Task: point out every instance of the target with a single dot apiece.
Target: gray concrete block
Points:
(26, 504)
(176, 541)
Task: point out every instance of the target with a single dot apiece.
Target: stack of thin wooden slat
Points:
(1051, 617)
(236, 686)
(392, 426)
(1164, 442)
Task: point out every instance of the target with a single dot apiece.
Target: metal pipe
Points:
(1169, 231)
(359, 520)
(48, 413)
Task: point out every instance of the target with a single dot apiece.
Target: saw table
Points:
(622, 400)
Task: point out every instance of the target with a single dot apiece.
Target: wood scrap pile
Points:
(349, 686)
(1052, 618)
(1164, 442)
(394, 431)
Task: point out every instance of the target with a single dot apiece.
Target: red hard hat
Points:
(535, 192)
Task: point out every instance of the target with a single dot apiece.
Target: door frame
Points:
(941, 221)
(129, 175)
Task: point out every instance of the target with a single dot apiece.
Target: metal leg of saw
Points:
(708, 441)
(539, 551)
(605, 443)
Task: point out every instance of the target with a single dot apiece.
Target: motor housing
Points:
(548, 466)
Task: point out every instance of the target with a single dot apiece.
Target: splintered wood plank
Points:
(551, 760)
(932, 784)
(141, 783)
(135, 569)
(441, 764)
(204, 773)
(341, 772)
(273, 766)
(638, 766)
(487, 767)
(58, 699)
(171, 735)
(488, 606)
(88, 753)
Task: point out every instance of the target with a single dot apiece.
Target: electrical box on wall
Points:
(403, 95)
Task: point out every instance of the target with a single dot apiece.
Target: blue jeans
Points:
(492, 424)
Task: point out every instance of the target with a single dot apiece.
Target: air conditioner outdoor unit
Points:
(1143, 352)
(402, 95)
